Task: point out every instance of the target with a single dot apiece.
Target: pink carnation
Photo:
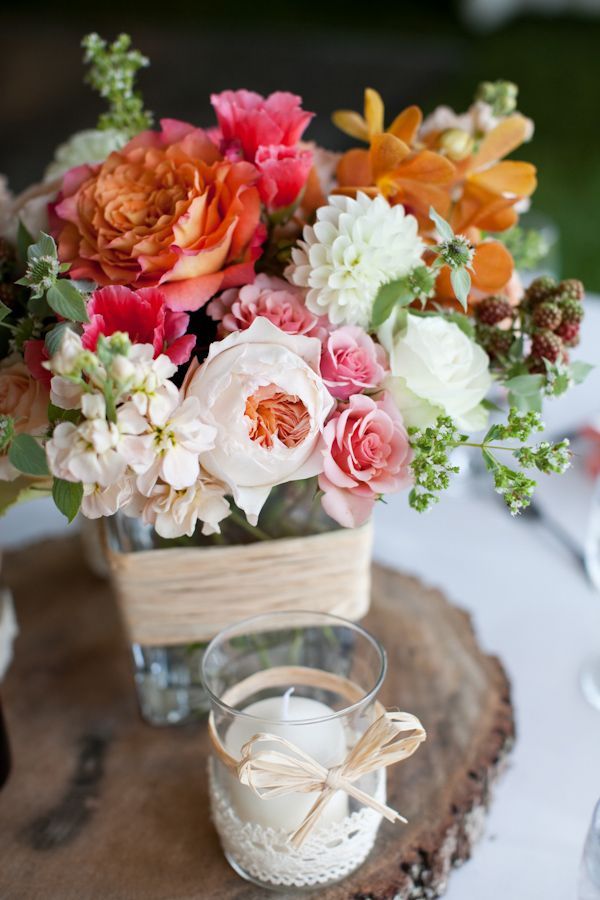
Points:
(351, 362)
(269, 297)
(284, 171)
(250, 121)
(143, 316)
(368, 453)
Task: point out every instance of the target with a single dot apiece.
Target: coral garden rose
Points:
(368, 454)
(142, 315)
(273, 299)
(25, 399)
(165, 210)
(262, 390)
(249, 121)
(351, 362)
(436, 370)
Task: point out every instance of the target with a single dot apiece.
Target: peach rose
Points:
(26, 400)
(165, 210)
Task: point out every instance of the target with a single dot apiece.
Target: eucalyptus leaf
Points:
(461, 285)
(28, 456)
(65, 299)
(443, 228)
(68, 496)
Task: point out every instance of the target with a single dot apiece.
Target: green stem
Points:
(254, 530)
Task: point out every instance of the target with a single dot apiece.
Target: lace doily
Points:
(328, 855)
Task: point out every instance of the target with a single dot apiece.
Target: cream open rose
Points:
(261, 389)
(26, 400)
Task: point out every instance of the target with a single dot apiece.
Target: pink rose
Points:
(269, 297)
(143, 316)
(284, 172)
(249, 121)
(368, 453)
(351, 362)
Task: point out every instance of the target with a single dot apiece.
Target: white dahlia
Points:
(353, 248)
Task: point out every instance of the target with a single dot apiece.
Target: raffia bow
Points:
(394, 736)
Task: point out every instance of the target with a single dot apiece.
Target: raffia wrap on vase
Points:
(186, 594)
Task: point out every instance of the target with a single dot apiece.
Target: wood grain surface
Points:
(100, 806)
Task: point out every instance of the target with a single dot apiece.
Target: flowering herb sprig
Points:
(113, 70)
(432, 466)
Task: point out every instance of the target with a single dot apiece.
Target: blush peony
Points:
(368, 454)
(351, 362)
(165, 210)
(143, 316)
(262, 391)
(273, 299)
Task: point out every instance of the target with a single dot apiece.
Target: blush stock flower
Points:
(368, 453)
(164, 210)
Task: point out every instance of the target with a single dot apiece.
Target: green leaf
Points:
(58, 414)
(443, 228)
(68, 496)
(461, 285)
(65, 299)
(525, 384)
(4, 311)
(526, 402)
(490, 405)
(38, 307)
(491, 463)
(54, 337)
(24, 240)
(464, 323)
(28, 456)
(395, 293)
(580, 370)
(44, 246)
(18, 491)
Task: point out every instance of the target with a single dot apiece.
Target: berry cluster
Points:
(551, 315)
(547, 319)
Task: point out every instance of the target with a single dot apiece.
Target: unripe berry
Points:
(547, 315)
(540, 289)
(546, 345)
(494, 309)
(571, 288)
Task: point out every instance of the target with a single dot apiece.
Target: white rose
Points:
(262, 390)
(436, 370)
(90, 146)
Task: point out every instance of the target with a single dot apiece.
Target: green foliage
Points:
(113, 70)
(501, 96)
(68, 496)
(64, 298)
(432, 468)
(7, 431)
(28, 456)
(395, 293)
(527, 246)
(456, 252)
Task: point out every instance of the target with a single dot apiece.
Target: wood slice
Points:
(100, 806)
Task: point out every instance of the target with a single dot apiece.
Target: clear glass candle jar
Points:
(311, 679)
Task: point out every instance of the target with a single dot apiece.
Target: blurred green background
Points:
(425, 53)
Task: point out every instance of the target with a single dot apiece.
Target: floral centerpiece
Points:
(209, 329)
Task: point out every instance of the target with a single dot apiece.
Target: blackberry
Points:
(547, 315)
(492, 310)
(571, 288)
(495, 341)
(540, 289)
(572, 311)
(569, 333)
(546, 345)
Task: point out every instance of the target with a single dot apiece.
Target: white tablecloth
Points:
(532, 606)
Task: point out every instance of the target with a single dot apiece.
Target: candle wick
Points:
(285, 703)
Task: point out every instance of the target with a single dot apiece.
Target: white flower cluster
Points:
(142, 456)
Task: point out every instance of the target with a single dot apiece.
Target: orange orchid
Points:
(416, 178)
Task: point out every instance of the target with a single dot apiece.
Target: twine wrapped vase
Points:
(175, 599)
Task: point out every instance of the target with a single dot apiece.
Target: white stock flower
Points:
(86, 452)
(90, 146)
(167, 442)
(479, 119)
(174, 513)
(436, 370)
(93, 406)
(354, 247)
(66, 359)
(151, 391)
(262, 390)
(99, 501)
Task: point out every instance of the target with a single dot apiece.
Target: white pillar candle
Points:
(324, 741)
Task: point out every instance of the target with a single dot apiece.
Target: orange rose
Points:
(26, 400)
(165, 210)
